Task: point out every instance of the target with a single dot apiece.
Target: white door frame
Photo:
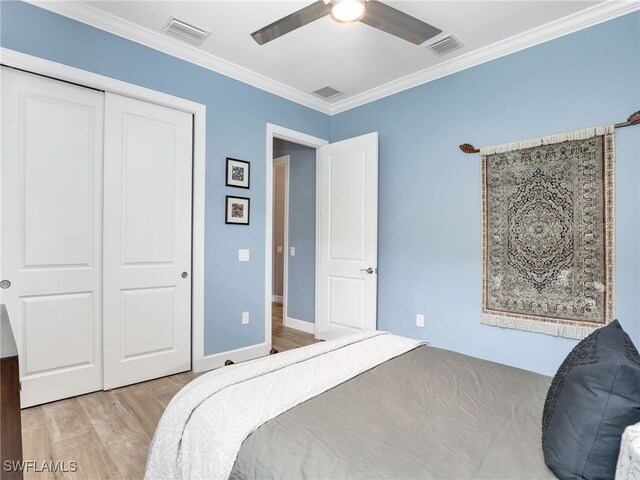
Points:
(29, 63)
(275, 131)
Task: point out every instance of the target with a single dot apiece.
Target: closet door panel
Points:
(149, 198)
(147, 241)
(45, 316)
(63, 202)
(51, 169)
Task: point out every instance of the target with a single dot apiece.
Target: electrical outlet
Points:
(419, 320)
(292, 251)
(243, 255)
(245, 318)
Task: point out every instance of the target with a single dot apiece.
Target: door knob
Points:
(5, 284)
(369, 270)
(184, 275)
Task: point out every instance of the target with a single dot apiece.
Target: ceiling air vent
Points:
(185, 31)
(328, 92)
(445, 45)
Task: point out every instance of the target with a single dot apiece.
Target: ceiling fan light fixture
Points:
(347, 11)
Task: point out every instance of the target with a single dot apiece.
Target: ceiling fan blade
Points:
(393, 21)
(289, 23)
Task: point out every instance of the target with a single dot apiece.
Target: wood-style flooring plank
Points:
(38, 446)
(183, 378)
(33, 418)
(160, 385)
(66, 418)
(108, 416)
(164, 398)
(130, 456)
(92, 458)
(141, 406)
(162, 392)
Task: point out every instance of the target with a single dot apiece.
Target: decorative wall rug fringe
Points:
(566, 330)
(549, 139)
(548, 233)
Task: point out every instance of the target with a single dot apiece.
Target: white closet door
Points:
(147, 241)
(50, 264)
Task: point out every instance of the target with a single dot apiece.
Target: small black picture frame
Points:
(238, 173)
(236, 211)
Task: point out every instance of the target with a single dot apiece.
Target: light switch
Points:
(279, 249)
(292, 251)
(243, 255)
(245, 318)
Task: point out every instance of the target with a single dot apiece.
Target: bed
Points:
(371, 405)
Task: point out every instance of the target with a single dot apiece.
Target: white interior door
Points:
(51, 170)
(280, 208)
(347, 237)
(147, 241)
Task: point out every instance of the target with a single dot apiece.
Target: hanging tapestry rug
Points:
(548, 233)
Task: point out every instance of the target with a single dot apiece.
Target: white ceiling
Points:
(358, 60)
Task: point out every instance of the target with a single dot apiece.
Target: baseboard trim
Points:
(277, 298)
(217, 360)
(301, 325)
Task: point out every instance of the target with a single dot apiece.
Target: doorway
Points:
(346, 233)
(294, 246)
(280, 326)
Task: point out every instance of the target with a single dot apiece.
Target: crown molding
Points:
(588, 17)
(108, 22)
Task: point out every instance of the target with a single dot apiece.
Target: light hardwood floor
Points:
(108, 434)
(285, 338)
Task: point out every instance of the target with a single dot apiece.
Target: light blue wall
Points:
(236, 118)
(427, 262)
(429, 195)
(300, 297)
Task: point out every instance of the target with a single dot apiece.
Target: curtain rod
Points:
(634, 119)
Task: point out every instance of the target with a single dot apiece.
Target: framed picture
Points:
(237, 173)
(237, 210)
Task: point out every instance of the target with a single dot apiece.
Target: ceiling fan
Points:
(371, 12)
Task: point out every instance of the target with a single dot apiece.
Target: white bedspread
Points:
(202, 429)
(629, 460)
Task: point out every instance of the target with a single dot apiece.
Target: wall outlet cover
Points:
(419, 320)
(245, 318)
(243, 255)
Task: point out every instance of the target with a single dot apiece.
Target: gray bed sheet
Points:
(427, 414)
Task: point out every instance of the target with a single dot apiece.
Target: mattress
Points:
(428, 414)
(369, 405)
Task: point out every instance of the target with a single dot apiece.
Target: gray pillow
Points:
(594, 395)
